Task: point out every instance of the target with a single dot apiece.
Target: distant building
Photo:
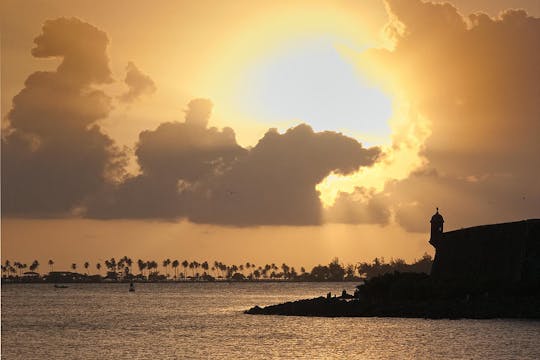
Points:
(508, 252)
(30, 274)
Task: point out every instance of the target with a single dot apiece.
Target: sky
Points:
(263, 131)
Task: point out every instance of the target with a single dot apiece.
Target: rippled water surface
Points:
(202, 321)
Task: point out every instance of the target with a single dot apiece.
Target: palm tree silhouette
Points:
(185, 265)
(34, 265)
(98, 267)
(51, 264)
(205, 266)
(86, 265)
(129, 263)
(175, 264)
(142, 265)
(74, 266)
(166, 264)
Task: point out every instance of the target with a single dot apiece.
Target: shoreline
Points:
(480, 307)
(4, 282)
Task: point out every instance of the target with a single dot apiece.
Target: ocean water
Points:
(205, 321)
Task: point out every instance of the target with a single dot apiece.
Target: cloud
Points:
(274, 184)
(174, 160)
(56, 161)
(360, 207)
(475, 79)
(139, 84)
(189, 170)
(81, 46)
(54, 155)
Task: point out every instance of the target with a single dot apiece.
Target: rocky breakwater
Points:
(418, 296)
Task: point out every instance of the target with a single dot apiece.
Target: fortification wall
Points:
(506, 252)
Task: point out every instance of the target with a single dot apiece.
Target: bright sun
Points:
(313, 82)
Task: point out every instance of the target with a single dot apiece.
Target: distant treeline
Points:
(125, 269)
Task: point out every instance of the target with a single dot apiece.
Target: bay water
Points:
(206, 321)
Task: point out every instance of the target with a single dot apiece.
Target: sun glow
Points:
(288, 73)
(398, 159)
(318, 82)
(311, 82)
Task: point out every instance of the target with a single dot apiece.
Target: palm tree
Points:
(205, 266)
(223, 268)
(18, 266)
(112, 264)
(285, 269)
(175, 264)
(51, 265)
(152, 264)
(74, 266)
(142, 265)
(34, 266)
(129, 263)
(293, 274)
(120, 264)
(166, 264)
(185, 265)
(98, 267)
(86, 265)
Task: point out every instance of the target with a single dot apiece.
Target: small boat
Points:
(60, 286)
(131, 287)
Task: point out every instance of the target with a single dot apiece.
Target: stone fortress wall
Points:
(506, 253)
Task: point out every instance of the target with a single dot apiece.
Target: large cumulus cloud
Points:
(54, 155)
(174, 160)
(189, 170)
(274, 183)
(56, 161)
(476, 79)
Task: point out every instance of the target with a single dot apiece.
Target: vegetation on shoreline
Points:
(126, 269)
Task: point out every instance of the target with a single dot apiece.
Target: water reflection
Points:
(96, 321)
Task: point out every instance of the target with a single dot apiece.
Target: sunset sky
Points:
(263, 131)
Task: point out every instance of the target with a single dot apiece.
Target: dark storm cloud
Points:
(56, 161)
(274, 184)
(477, 79)
(53, 153)
(139, 84)
(200, 173)
(175, 159)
